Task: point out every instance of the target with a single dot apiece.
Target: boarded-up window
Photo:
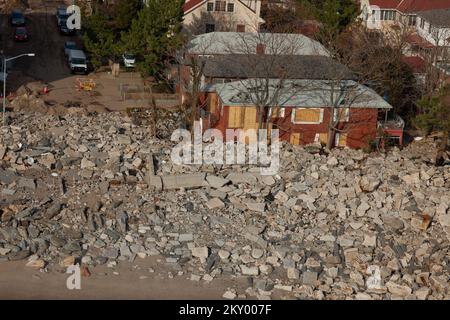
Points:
(309, 115)
(323, 138)
(250, 118)
(341, 139)
(295, 138)
(235, 117)
(213, 102)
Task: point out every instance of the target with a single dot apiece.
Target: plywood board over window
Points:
(323, 138)
(235, 117)
(341, 139)
(295, 138)
(213, 101)
(308, 115)
(250, 121)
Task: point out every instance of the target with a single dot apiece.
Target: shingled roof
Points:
(237, 66)
(299, 93)
(248, 42)
(438, 18)
(411, 6)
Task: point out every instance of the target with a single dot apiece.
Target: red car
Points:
(21, 34)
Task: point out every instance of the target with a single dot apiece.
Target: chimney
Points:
(260, 48)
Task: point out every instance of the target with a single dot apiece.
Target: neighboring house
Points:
(434, 27)
(379, 14)
(418, 67)
(203, 16)
(301, 117)
(428, 29)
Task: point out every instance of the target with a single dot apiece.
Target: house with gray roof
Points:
(288, 82)
(434, 26)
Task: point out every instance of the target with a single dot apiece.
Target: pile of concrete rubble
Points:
(330, 225)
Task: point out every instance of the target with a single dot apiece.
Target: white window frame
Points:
(336, 139)
(422, 23)
(317, 137)
(294, 111)
(347, 114)
(228, 6)
(216, 2)
(210, 5)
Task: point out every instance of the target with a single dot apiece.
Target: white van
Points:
(77, 61)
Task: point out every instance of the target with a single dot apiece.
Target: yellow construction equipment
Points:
(86, 84)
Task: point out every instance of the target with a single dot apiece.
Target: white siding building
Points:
(203, 16)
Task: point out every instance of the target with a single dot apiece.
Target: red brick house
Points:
(302, 117)
(299, 109)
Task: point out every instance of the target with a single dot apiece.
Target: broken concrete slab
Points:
(185, 181)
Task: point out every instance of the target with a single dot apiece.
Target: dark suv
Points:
(17, 18)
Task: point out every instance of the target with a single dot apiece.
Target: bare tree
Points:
(376, 63)
(191, 61)
(437, 58)
(265, 62)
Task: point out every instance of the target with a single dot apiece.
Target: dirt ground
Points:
(50, 64)
(133, 281)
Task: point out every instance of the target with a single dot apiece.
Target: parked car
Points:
(129, 60)
(69, 45)
(77, 61)
(17, 18)
(63, 29)
(21, 34)
(61, 15)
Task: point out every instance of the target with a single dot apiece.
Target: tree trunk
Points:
(260, 117)
(194, 109)
(331, 137)
(331, 131)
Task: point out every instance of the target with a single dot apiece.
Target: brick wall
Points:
(361, 127)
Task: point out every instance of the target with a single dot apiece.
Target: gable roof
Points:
(411, 6)
(417, 64)
(190, 4)
(298, 93)
(246, 42)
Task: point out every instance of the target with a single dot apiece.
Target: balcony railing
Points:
(395, 122)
